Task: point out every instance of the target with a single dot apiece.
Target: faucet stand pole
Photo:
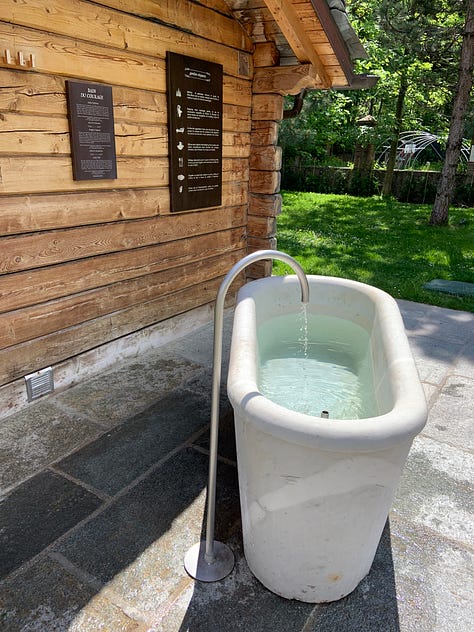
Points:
(210, 560)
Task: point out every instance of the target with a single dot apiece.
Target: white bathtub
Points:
(315, 493)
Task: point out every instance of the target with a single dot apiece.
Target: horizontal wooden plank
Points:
(93, 23)
(33, 134)
(33, 93)
(90, 62)
(266, 158)
(190, 17)
(47, 174)
(267, 107)
(46, 318)
(32, 213)
(217, 5)
(268, 205)
(237, 118)
(25, 252)
(24, 289)
(28, 357)
(264, 182)
(264, 133)
(21, 134)
(237, 92)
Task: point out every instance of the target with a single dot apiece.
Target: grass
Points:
(385, 243)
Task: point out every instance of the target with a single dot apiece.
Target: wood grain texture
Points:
(85, 262)
(48, 350)
(46, 174)
(40, 320)
(37, 250)
(23, 289)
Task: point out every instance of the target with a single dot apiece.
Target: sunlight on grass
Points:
(381, 242)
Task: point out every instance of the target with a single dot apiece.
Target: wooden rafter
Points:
(292, 28)
(286, 80)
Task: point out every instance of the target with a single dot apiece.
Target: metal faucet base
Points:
(198, 568)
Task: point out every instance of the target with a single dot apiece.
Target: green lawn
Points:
(384, 243)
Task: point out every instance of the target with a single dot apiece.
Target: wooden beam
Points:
(297, 37)
(286, 80)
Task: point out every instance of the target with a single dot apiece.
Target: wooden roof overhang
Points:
(314, 39)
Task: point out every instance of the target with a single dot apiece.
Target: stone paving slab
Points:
(464, 364)
(437, 322)
(241, 603)
(136, 546)
(44, 597)
(119, 564)
(198, 347)
(451, 418)
(36, 513)
(437, 490)
(115, 459)
(459, 288)
(434, 580)
(111, 397)
(38, 436)
(434, 358)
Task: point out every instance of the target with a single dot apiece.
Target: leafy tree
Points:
(324, 120)
(416, 40)
(447, 181)
(413, 46)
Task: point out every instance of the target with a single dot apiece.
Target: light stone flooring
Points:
(103, 491)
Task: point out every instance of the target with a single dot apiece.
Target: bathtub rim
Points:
(399, 425)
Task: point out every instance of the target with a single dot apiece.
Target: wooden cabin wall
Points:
(83, 263)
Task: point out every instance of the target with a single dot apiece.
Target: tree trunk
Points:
(447, 182)
(392, 156)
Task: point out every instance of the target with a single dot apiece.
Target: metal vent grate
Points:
(39, 383)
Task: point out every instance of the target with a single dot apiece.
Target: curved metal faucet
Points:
(210, 560)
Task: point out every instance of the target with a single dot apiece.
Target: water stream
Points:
(314, 363)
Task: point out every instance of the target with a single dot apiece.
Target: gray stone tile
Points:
(35, 437)
(117, 458)
(465, 362)
(437, 490)
(434, 579)
(238, 603)
(241, 603)
(198, 346)
(416, 584)
(226, 446)
(137, 545)
(459, 288)
(202, 383)
(113, 397)
(45, 598)
(430, 321)
(452, 413)
(36, 513)
(434, 359)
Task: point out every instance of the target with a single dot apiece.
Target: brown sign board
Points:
(91, 123)
(195, 131)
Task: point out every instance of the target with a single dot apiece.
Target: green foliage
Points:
(381, 242)
(418, 37)
(325, 120)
